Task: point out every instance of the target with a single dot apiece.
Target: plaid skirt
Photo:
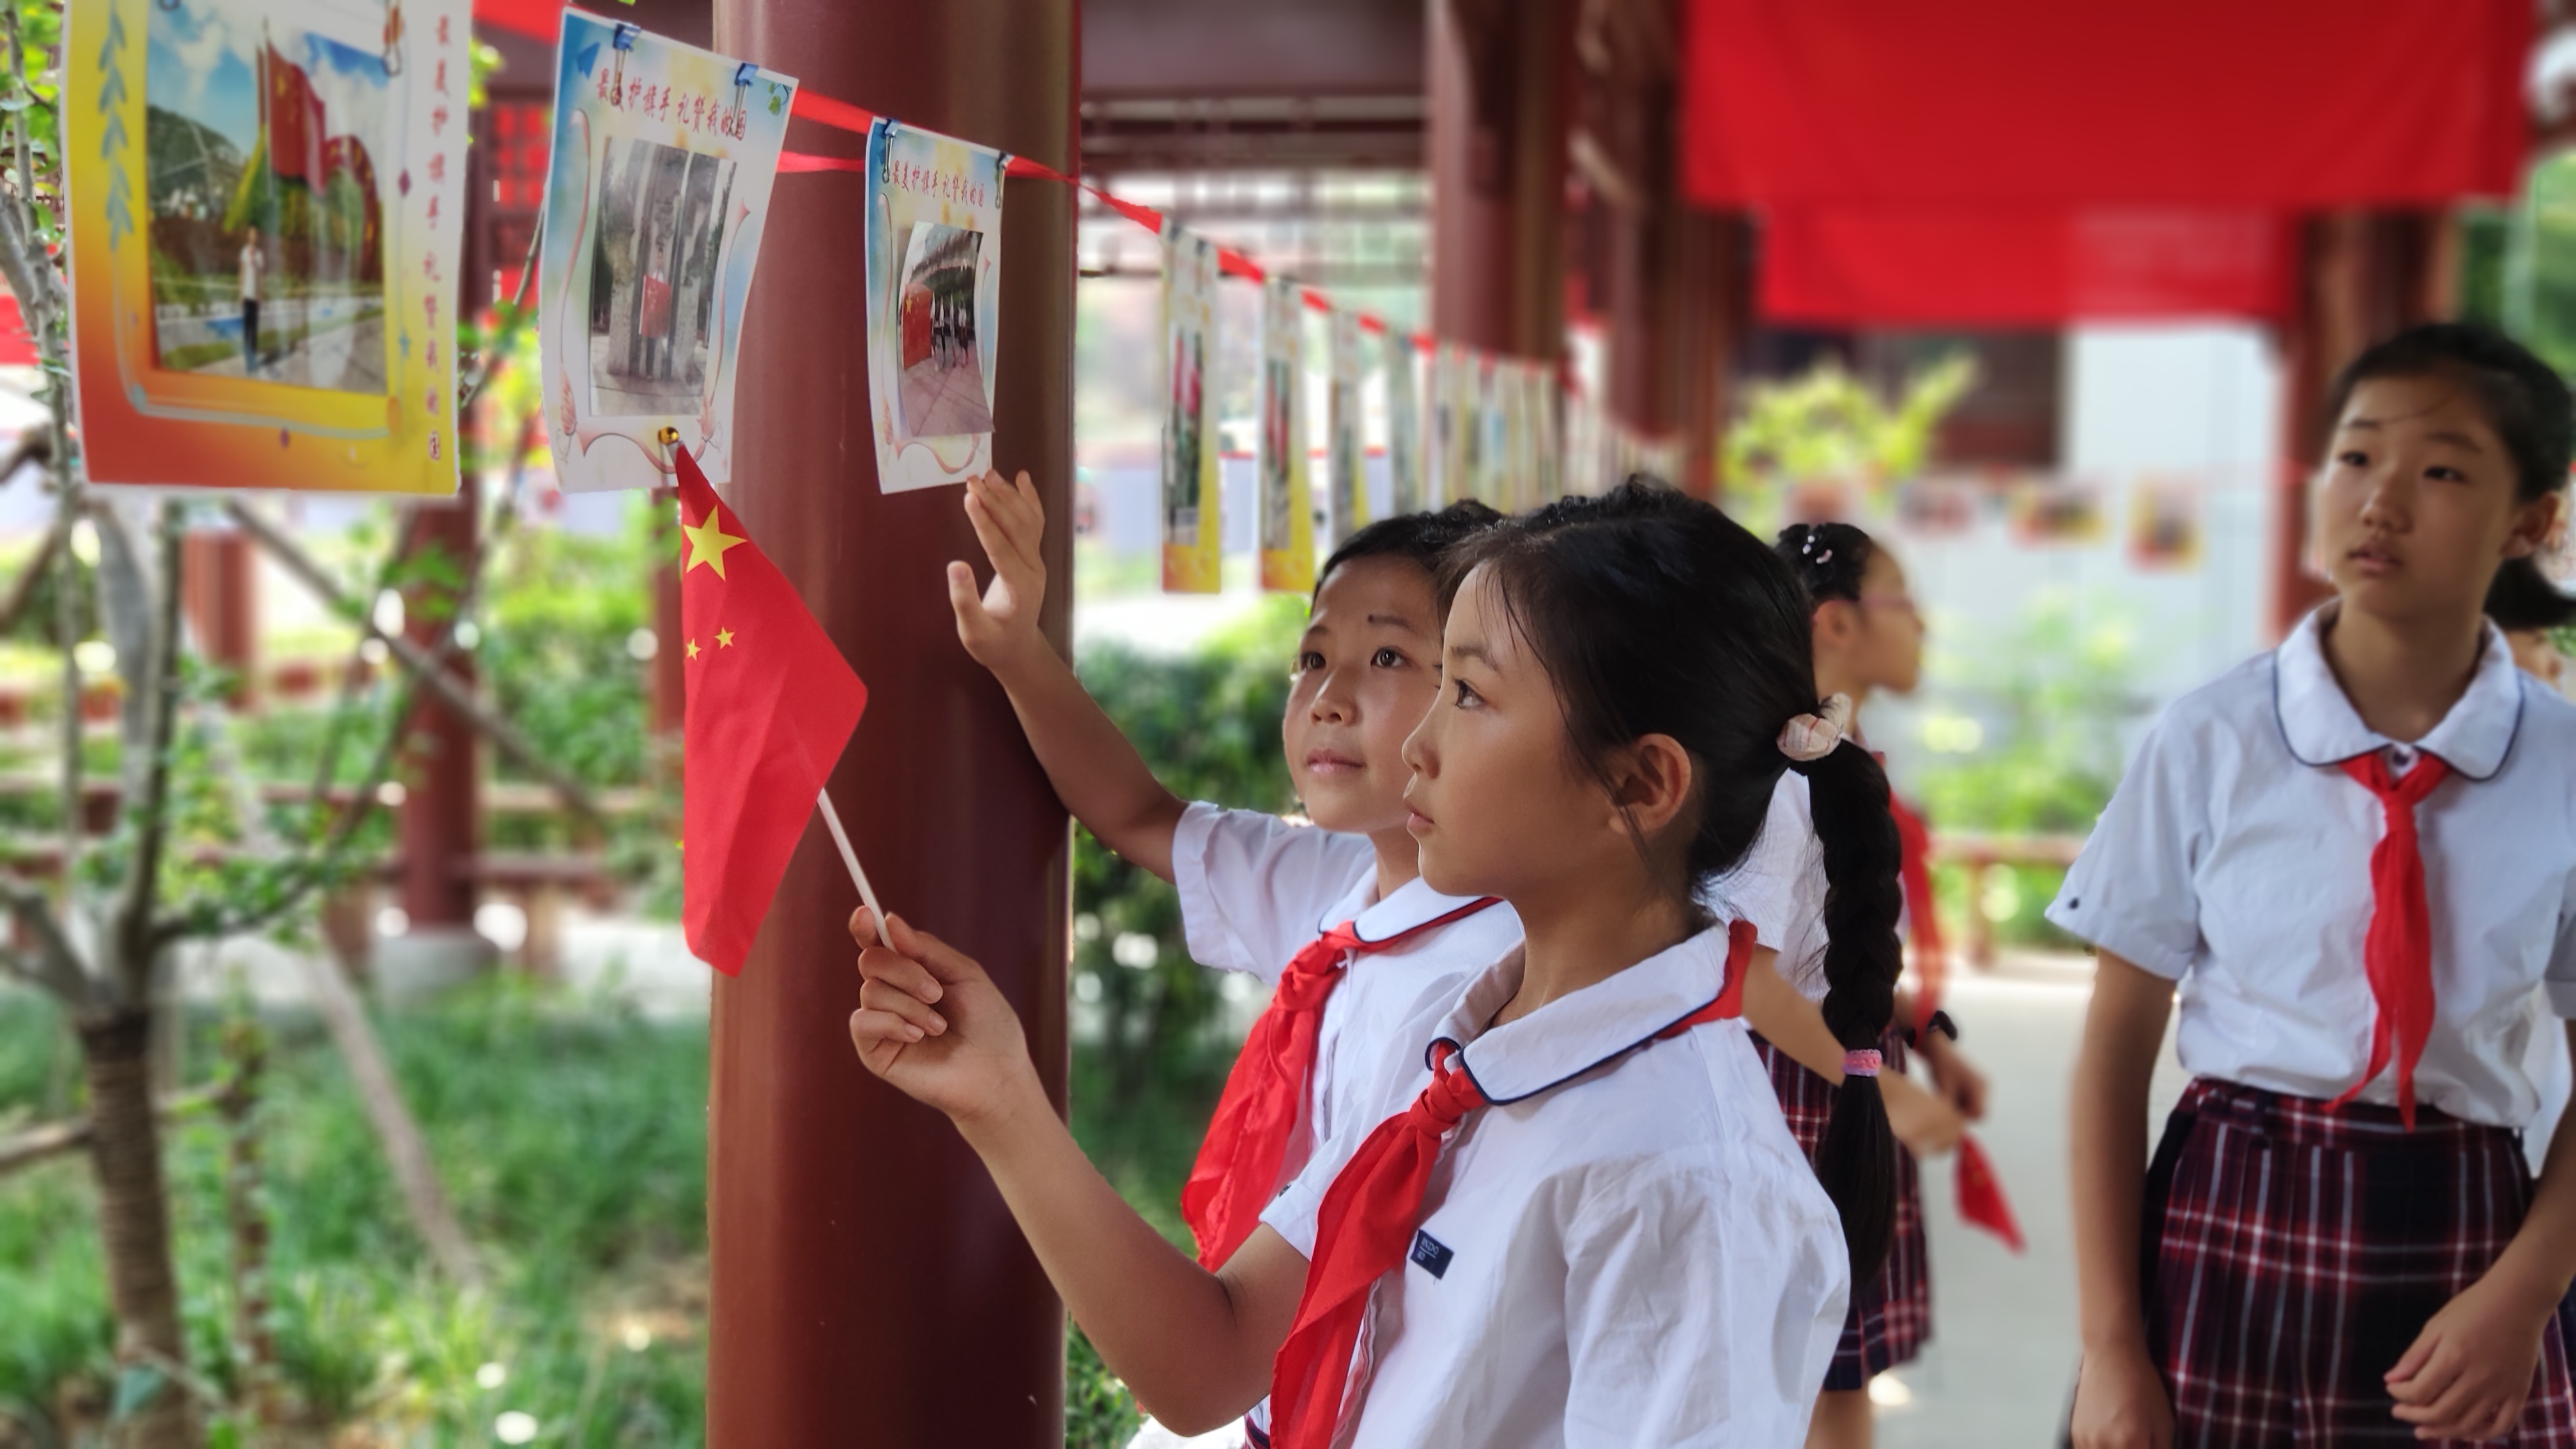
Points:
(2292, 1253)
(1891, 1315)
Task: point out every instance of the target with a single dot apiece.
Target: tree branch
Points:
(425, 668)
(25, 1149)
(55, 965)
(152, 814)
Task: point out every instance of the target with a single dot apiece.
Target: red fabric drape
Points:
(2281, 105)
(1961, 266)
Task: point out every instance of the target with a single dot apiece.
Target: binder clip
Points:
(623, 38)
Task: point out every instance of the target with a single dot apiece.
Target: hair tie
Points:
(1814, 736)
(1860, 1064)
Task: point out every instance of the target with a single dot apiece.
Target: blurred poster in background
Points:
(1286, 499)
(1193, 531)
(1347, 459)
(655, 199)
(265, 200)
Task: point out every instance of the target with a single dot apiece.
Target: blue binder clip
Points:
(627, 30)
(745, 73)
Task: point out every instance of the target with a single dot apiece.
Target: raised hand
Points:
(999, 624)
(931, 1022)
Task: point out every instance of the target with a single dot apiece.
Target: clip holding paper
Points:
(624, 38)
(745, 73)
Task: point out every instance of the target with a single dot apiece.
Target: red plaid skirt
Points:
(2293, 1252)
(1891, 1315)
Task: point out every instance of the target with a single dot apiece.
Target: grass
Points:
(573, 1140)
(572, 1137)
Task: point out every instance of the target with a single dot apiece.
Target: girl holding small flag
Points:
(2356, 855)
(1579, 1217)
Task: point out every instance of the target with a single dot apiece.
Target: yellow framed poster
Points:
(266, 199)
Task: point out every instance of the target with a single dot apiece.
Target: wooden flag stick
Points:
(850, 858)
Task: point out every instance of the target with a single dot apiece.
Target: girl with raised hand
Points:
(2357, 857)
(1335, 916)
(1868, 637)
(1581, 1219)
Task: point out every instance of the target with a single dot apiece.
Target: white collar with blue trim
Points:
(1413, 904)
(2322, 728)
(1583, 1029)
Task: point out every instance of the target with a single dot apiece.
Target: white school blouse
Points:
(1255, 890)
(1627, 1248)
(2235, 859)
(1780, 887)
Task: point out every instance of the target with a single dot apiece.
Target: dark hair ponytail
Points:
(1847, 794)
(2527, 404)
(1654, 613)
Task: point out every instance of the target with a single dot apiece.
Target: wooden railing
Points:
(1978, 854)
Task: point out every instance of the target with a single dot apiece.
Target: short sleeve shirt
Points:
(2235, 859)
(1256, 889)
(1630, 1248)
(1780, 887)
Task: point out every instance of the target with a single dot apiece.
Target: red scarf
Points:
(1247, 1139)
(1367, 1220)
(1922, 914)
(2398, 951)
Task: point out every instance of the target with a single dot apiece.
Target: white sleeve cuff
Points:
(2124, 939)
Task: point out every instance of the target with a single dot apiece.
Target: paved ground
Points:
(945, 402)
(343, 349)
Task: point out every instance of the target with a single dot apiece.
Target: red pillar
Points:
(1498, 80)
(2362, 277)
(868, 1285)
(440, 811)
(219, 587)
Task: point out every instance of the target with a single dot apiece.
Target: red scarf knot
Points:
(1238, 1165)
(1362, 1231)
(2397, 952)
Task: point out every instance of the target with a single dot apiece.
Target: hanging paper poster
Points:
(1287, 532)
(2046, 513)
(663, 156)
(934, 304)
(265, 199)
(1491, 458)
(1445, 472)
(1348, 462)
(1192, 527)
(2164, 524)
(1547, 456)
(1404, 460)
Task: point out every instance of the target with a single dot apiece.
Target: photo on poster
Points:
(933, 256)
(265, 202)
(2049, 514)
(1192, 526)
(1287, 516)
(653, 277)
(656, 197)
(942, 386)
(267, 220)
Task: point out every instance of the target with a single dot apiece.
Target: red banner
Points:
(2276, 105)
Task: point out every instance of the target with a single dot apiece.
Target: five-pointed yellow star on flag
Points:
(724, 638)
(708, 542)
(693, 649)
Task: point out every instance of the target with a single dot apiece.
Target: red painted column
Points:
(219, 587)
(1498, 82)
(440, 816)
(869, 1288)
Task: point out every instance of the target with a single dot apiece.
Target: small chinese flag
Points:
(1981, 1195)
(771, 703)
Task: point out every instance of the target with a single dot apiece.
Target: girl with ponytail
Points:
(1579, 1216)
(1867, 637)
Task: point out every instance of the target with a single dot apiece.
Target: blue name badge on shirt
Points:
(1430, 1254)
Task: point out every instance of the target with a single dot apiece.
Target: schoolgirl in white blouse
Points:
(2356, 858)
(1584, 1220)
